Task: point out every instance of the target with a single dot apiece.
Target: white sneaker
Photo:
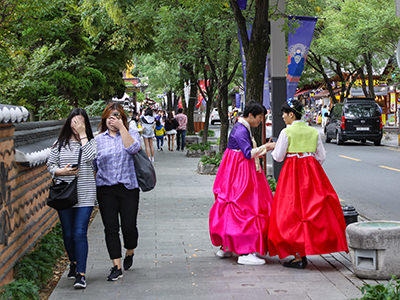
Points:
(152, 159)
(250, 259)
(222, 254)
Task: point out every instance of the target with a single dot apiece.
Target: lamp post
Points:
(278, 76)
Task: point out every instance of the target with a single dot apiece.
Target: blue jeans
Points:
(160, 139)
(180, 139)
(74, 223)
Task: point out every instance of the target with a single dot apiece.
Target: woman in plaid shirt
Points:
(117, 186)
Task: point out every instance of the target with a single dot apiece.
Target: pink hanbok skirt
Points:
(240, 215)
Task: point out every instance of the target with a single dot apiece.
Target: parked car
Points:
(214, 117)
(357, 119)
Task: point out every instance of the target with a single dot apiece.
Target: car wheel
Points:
(363, 141)
(377, 142)
(339, 141)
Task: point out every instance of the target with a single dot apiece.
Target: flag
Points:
(242, 4)
(266, 98)
(298, 45)
(237, 100)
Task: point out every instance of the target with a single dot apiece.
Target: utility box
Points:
(374, 248)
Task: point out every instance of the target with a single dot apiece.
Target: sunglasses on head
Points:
(116, 114)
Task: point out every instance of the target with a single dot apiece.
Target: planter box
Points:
(209, 169)
(374, 248)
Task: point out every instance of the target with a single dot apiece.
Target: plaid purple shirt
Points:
(114, 163)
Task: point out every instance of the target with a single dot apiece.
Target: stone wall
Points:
(24, 216)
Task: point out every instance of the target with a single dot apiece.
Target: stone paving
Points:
(175, 258)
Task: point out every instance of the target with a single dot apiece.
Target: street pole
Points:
(278, 76)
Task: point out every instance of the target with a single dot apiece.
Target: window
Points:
(361, 111)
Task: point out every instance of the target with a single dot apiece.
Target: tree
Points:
(255, 48)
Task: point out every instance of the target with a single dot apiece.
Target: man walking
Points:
(181, 130)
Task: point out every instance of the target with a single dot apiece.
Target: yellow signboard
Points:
(392, 102)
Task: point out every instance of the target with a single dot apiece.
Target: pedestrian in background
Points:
(117, 186)
(148, 132)
(159, 131)
(324, 114)
(306, 217)
(181, 130)
(76, 135)
(170, 130)
(239, 218)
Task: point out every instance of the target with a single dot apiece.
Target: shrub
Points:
(390, 291)
(21, 289)
(272, 183)
(211, 160)
(202, 147)
(34, 269)
(210, 132)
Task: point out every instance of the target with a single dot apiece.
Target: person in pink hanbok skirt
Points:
(239, 218)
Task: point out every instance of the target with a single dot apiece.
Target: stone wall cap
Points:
(13, 114)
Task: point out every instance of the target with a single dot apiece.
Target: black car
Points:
(355, 119)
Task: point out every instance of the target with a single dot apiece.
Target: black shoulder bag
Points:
(64, 195)
(145, 173)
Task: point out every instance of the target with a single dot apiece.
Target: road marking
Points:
(391, 148)
(389, 168)
(348, 157)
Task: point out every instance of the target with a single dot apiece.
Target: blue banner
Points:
(237, 100)
(298, 45)
(266, 97)
(242, 4)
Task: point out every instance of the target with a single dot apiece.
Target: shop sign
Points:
(377, 82)
(392, 102)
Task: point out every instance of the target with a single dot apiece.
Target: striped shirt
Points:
(86, 180)
(114, 163)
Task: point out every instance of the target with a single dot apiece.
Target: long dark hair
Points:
(66, 131)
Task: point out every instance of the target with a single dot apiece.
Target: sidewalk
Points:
(175, 258)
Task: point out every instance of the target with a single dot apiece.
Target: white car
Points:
(214, 117)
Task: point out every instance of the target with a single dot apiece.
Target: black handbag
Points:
(145, 173)
(63, 195)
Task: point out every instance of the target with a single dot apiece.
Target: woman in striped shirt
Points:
(76, 135)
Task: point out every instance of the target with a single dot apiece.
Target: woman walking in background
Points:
(170, 130)
(306, 217)
(148, 132)
(76, 139)
(117, 186)
(239, 217)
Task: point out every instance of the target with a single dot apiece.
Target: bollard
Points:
(350, 214)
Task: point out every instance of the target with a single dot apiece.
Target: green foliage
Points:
(212, 160)
(21, 289)
(390, 291)
(210, 132)
(272, 183)
(96, 108)
(33, 270)
(53, 108)
(202, 147)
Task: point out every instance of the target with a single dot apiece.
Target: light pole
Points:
(278, 76)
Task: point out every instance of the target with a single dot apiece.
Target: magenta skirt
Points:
(240, 215)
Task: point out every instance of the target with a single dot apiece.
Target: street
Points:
(366, 177)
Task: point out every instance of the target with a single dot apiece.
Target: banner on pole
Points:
(237, 100)
(242, 4)
(298, 45)
(266, 96)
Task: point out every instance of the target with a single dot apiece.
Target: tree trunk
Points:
(169, 100)
(368, 64)
(255, 49)
(191, 104)
(223, 115)
(207, 120)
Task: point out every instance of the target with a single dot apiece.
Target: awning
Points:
(325, 93)
(301, 92)
(379, 91)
